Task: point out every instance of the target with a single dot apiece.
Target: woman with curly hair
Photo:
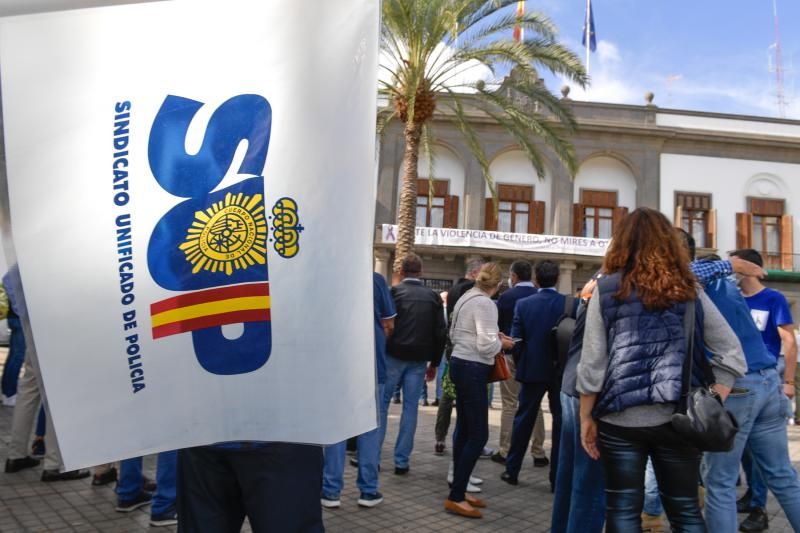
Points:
(630, 373)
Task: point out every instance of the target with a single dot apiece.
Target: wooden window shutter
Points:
(744, 230)
(490, 217)
(711, 238)
(577, 219)
(451, 211)
(536, 218)
(787, 241)
(618, 215)
(422, 187)
(678, 220)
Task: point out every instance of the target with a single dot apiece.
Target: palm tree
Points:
(428, 45)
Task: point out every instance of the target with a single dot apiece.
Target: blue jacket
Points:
(506, 303)
(646, 351)
(534, 318)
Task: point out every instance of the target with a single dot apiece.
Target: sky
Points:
(704, 55)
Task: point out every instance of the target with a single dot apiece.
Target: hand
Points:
(746, 268)
(788, 390)
(722, 390)
(589, 437)
(506, 341)
(588, 289)
(430, 373)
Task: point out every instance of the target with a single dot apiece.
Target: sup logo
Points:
(212, 246)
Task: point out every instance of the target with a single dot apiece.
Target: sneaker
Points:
(438, 448)
(9, 401)
(330, 502)
(168, 518)
(72, 475)
(370, 500)
(472, 479)
(487, 453)
(140, 500)
(401, 470)
(15, 465)
(37, 448)
(755, 521)
(109, 476)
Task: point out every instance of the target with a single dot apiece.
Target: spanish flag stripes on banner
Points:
(209, 308)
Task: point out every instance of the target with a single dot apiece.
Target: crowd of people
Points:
(618, 362)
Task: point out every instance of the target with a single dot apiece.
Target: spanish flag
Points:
(209, 308)
(519, 31)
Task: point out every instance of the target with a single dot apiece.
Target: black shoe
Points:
(354, 462)
(425, 403)
(15, 465)
(140, 500)
(755, 521)
(541, 462)
(497, 457)
(395, 400)
(400, 471)
(508, 478)
(435, 403)
(743, 503)
(109, 476)
(72, 475)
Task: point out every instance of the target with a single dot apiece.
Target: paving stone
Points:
(413, 503)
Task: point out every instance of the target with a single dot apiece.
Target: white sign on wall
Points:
(498, 240)
(179, 174)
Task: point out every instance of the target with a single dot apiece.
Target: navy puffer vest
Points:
(646, 351)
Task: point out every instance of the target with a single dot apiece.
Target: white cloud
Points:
(609, 80)
(460, 79)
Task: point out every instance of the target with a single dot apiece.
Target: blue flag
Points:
(592, 39)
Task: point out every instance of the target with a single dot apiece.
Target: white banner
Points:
(188, 204)
(498, 240)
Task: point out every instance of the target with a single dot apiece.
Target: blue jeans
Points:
(580, 499)
(16, 356)
(410, 375)
(368, 461)
(130, 481)
(472, 421)
(760, 410)
(439, 378)
(652, 500)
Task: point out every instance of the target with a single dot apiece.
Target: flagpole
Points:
(588, 34)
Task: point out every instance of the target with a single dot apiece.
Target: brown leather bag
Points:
(500, 370)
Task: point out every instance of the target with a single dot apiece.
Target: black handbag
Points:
(701, 418)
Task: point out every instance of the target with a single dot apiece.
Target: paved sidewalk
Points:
(412, 502)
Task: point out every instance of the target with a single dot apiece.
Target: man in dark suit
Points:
(521, 287)
(534, 319)
(418, 339)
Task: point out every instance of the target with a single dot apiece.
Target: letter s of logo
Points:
(213, 243)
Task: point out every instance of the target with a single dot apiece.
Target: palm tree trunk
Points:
(407, 214)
